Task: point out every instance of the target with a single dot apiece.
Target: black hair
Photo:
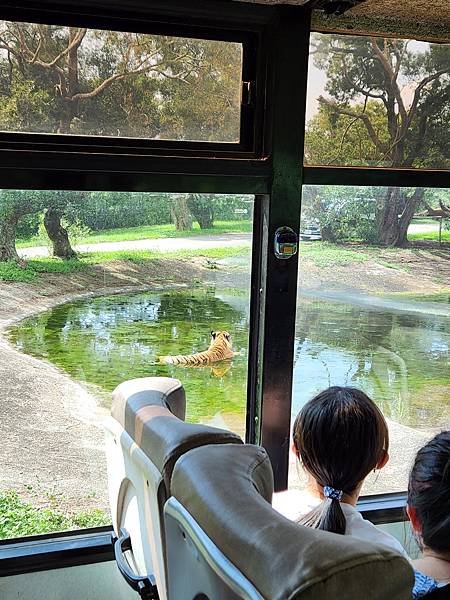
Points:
(339, 436)
(429, 492)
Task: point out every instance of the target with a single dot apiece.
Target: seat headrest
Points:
(227, 490)
(151, 410)
(130, 397)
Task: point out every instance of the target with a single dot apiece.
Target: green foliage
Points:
(19, 518)
(11, 271)
(28, 226)
(90, 518)
(343, 212)
(343, 140)
(20, 202)
(26, 107)
(115, 84)
(113, 210)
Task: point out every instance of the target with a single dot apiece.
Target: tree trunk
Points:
(396, 213)
(180, 213)
(8, 226)
(327, 233)
(202, 210)
(407, 215)
(70, 107)
(58, 234)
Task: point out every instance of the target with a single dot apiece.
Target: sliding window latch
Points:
(248, 93)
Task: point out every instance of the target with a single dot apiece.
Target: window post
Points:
(288, 46)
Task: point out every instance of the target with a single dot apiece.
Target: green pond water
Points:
(399, 352)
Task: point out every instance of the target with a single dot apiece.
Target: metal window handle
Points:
(144, 585)
(248, 90)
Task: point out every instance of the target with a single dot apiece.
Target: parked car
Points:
(310, 233)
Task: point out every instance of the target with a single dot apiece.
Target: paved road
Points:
(424, 227)
(226, 240)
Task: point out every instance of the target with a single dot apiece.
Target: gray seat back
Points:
(224, 540)
(145, 437)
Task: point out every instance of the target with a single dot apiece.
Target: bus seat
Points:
(225, 541)
(145, 436)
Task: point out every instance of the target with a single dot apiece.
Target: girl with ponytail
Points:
(429, 512)
(339, 437)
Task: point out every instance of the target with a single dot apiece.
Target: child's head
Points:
(339, 437)
(429, 494)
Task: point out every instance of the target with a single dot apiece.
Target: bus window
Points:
(96, 287)
(92, 82)
(376, 316)
(377, 102)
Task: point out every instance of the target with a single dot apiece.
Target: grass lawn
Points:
(19, 518)
(442, 297)
(146, 233)
(11, 271)
(430, 236)
(324, 254)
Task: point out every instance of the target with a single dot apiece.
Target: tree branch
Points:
(419, 88)
(391, 75)
(74, 44)
(357, 87)
(351, 113)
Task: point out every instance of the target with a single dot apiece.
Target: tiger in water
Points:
(219, 349)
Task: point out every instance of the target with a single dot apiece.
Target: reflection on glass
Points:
(377, 102)
(71, 80)
(376, 317)
(94, 288)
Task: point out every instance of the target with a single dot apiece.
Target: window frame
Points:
(154, 21)
(51, 551)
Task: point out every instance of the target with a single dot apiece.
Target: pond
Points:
(398, 352)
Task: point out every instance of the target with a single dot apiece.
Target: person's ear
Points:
(294, 450)
(383, 460)
(413, 517)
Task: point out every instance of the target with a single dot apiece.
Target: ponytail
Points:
(328, 516)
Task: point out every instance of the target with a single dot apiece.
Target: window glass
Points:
(377, 102)
(374, 313)
(56, 79)
(142, 276)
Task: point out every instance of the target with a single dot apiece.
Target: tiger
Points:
(219, 349)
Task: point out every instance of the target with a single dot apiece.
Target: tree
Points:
(202, 207)
(14, 206)
(59, 204)
(397, 99)
(179, 211)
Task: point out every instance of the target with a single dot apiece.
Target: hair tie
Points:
(330, 492)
